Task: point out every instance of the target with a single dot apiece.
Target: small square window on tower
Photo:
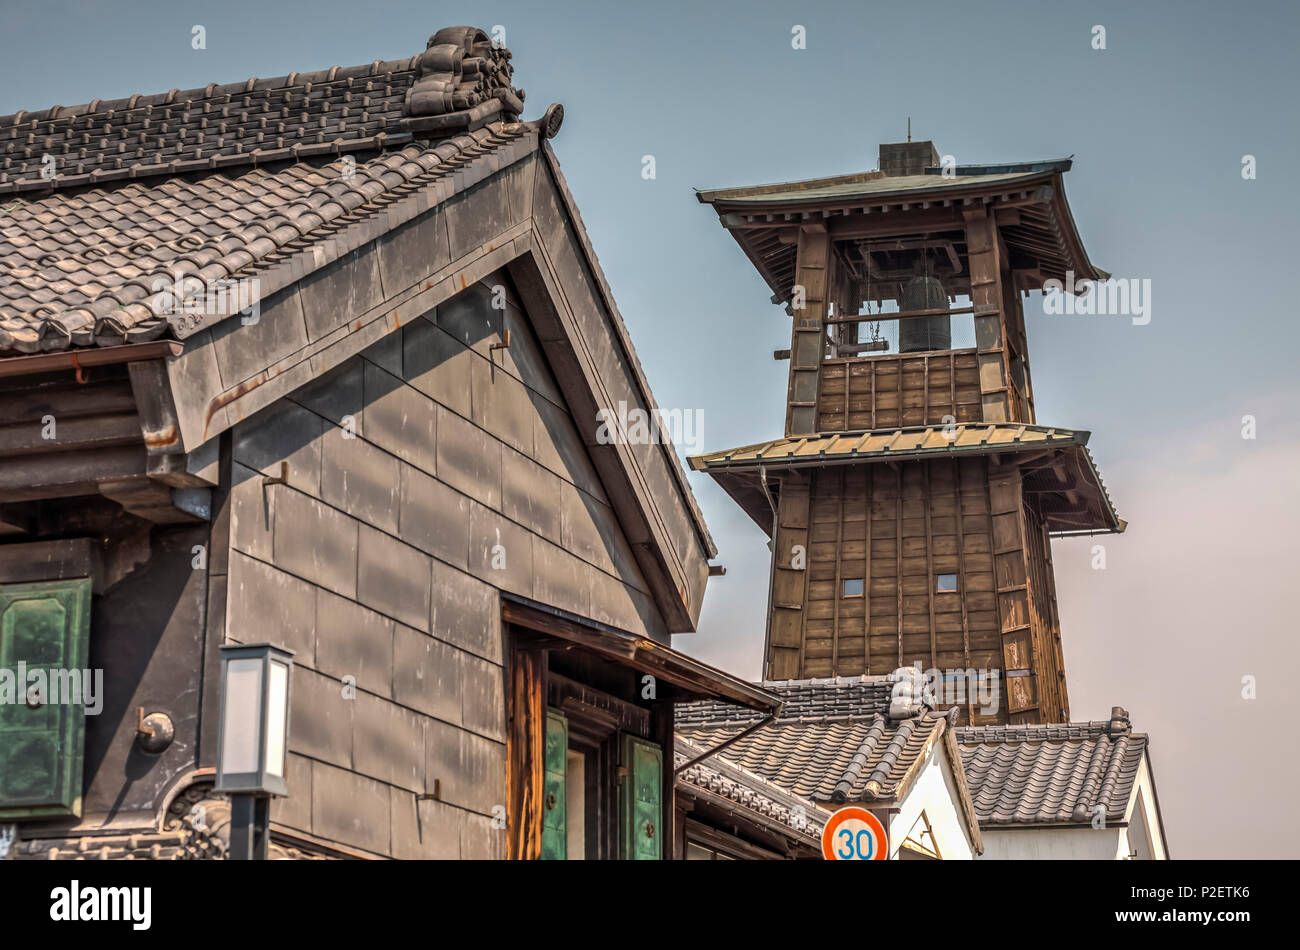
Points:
(946, 583)
(852, 587)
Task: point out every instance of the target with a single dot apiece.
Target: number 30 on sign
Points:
(854, 834)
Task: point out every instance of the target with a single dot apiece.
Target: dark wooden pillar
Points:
(661, 731)
(1011, 575)
(525, 750)
(990, 322)
(808, 339)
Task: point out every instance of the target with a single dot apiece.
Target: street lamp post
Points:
(253, 740)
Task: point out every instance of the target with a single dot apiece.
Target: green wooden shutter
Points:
(555, 830)
(46, 626)
(642, 796)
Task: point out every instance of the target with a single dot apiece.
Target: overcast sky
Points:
(1201, 590)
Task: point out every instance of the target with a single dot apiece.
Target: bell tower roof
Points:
(909, 195)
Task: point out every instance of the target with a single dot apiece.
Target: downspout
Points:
(771, 571)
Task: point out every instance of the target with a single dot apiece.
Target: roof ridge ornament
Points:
(460, 70)
(549, 124)
(908, 697)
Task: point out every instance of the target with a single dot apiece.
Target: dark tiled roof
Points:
(877, 184)
(226, 181)
(832, 742)
(459, 77)
(1051, 774)
(845, 696)
(769, 803)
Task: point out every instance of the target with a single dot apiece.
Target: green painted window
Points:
(555, 835)
(46, 627)
(641, 814)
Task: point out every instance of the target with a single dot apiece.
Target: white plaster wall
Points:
(935, 793)
(1053, 844)
(1143, 834)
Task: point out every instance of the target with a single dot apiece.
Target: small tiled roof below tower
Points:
(834, 740)
(763, 802)
(1052, 773)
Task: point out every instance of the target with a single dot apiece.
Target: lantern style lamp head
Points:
(253, 739)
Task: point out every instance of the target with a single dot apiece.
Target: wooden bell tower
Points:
(912, 497)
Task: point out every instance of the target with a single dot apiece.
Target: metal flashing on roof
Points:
(907, 442)
(870, 185)
(1009, 168)
(740, 471)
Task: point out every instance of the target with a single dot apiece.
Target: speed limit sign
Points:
(854, 834)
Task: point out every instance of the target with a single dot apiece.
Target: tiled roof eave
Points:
(716, 776)
(97, 201)
(769, 454)
(1000, 824)
(40, 187)
(1051, 774)
(833, 195)
(123, 316)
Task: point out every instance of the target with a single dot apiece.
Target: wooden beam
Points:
(866, 574)
(961, 580)
(838, 590)
(898, 542)
(876, 224)
(66, 474)
(807, 344)
(156, 501)
(900, 315)
(929, 566)
(73, 434)
(986, 297)
(661, 732)
(159, 423)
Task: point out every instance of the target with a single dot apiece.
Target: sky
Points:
(1199, 593)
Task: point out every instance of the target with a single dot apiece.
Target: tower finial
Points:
(909, 128)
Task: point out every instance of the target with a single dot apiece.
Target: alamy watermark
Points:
(39, 686)
(1116, 297)
(636, 426)
(76, 902)
(953, 687)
